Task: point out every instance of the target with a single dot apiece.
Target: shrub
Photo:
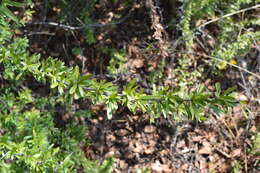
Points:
(234, 35)
(30, 139)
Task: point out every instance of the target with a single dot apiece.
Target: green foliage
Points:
(5, 33)
(157, 75)
(237, 49)
(194, 10)
(117, 60)
(6, 12)
(236, 167)
(234, 36)
(30, 140)
(68, 83)
(143, 170)
(256, 145)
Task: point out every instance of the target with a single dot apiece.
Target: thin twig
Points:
(93, 25)
(40, 33)
(245, 86)
(230, 14)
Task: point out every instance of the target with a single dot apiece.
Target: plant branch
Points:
(228, 15)
(221, 60)
(93, 25)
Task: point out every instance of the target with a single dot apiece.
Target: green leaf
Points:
(60, 89)
(200, 89)
(81, 91)
(217, 110)
(76, 96)
(54, 85)
(5, 11)
(109, 112)
(218, 89)
(143, 106)
(13, 3)
(229, 91)
(148, 97)
(85, 77)
(76, 51)
(73, 89)
(107, 166)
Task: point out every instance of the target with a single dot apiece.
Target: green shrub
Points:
(117, 61)
(68, 84)
(30, 140)
(234, 36)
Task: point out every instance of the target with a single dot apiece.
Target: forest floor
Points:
(220, 144)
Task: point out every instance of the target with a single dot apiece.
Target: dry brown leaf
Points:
(122, 164)
(149, 129)
(223, 167)
(111, 137)
(197, 138)
(236, 152)
(122, 132)
(181, 144)
(152, 142)
(138, 148)
(166, 168)
(156, 167)
(203, 166)
(206, 148)
(149, 150)
(183, 168)
(136, 63)
(160, 168)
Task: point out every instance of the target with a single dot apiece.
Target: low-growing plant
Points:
(68, 84)
(256, 145)
(30, 139)
(234, 35)
(143, 170)
(117, 61)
